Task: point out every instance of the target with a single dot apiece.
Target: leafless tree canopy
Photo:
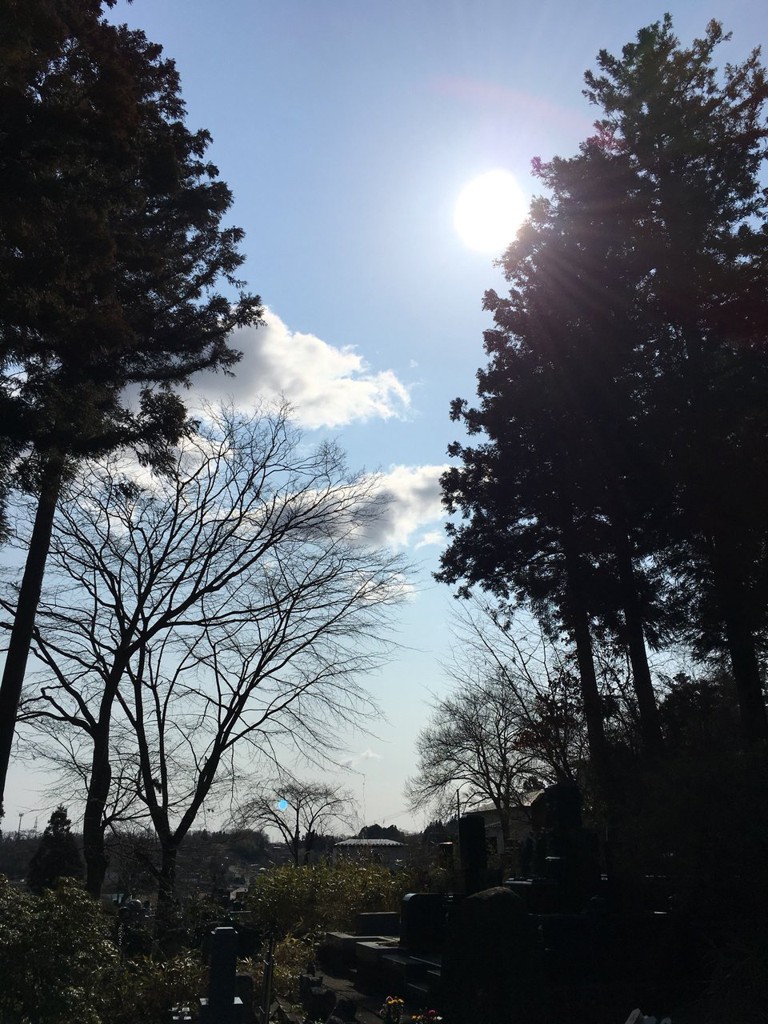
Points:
(298, 811)
(230, 604)
(512, 721)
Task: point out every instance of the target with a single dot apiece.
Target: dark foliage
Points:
(57, 856)
(618, 486)
(111, 249)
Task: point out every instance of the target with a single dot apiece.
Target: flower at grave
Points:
(426, 1017)
(392, 1010)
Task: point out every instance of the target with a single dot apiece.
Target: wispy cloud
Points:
(363, 755)
(326, 385)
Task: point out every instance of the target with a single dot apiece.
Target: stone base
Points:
(231, 1014)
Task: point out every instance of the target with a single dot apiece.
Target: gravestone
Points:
(317, 1000)
(222, 1006)
(380, 923)
(474, 853)
(563, 852)
(557, 809)
(344, 1012)
(487, 968)
(422, 922)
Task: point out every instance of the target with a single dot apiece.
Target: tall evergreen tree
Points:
(553, 500)
(111, 248)
(57, 856)
(624, 400)
(695, 138)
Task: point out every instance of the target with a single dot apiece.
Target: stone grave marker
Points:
(222, 1006)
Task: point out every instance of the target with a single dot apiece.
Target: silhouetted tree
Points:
(377, 831)
(435, 833)
(111, 247)
(477, 743)
(299, 811)
(545, 500)
(57, 856)
(622, 407)
(694, 139)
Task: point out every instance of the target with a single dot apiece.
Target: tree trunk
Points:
(746, 672)
(99, 782)
(295, 841)
(26, 610)
(578, 621)
(96, 860)
(590, 694)
(576, 609)
(650, 723)
(309, 842)
(167, 918)
(730, 566)
(741, 642)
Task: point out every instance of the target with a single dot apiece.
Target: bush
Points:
(297, 904)
(302, 901)
(57, 956)
(60, 964)
(144, 990)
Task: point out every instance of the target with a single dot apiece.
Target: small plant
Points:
(290, 961)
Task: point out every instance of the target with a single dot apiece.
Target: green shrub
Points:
(292, 957)
(60, 965)
(57, 956)
(301, 901)
(144, 990)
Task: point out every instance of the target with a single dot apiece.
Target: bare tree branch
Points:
(231, 603)
(298, 811)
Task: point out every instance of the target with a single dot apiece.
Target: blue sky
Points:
(346, 129)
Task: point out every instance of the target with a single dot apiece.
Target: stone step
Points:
(403, 968)
(418, 994)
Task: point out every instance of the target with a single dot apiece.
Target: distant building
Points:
(520, 820)
(381, 851)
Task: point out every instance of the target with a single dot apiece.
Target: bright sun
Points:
(489, 211)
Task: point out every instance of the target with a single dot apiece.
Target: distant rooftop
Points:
(368, 843)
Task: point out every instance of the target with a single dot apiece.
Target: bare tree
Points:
(299, 811)
(513, 720)
(471, 746)
(232, 603)
(539, 675)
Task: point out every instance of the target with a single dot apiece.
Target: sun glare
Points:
(489, 211)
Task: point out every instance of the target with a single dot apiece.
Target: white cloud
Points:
(327, 386)
(407, 500)
(430, 538)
